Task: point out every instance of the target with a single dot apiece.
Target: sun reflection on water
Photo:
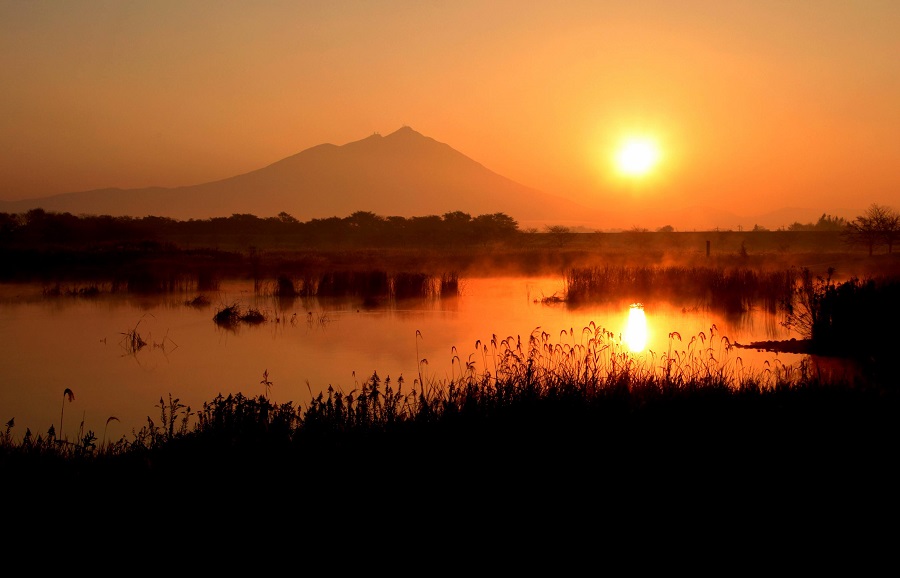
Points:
(635, 334)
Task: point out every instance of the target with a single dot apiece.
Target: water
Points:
(304, 346)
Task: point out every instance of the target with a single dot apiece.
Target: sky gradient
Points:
(755, 105)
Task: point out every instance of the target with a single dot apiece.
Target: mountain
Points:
(403, 174)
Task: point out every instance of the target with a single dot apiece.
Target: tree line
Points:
(39, 227)
(878, 226)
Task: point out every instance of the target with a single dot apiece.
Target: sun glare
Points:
(637, 156)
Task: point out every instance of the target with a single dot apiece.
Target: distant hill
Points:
(402, 174)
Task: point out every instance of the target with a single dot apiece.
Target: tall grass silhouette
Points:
(531, 378)
(68, 395)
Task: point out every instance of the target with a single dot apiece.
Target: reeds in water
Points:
(132, 341)
(232, 315)
(731, 290)
(540, 401)
(369, 284)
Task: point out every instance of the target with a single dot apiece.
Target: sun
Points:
(637, 157)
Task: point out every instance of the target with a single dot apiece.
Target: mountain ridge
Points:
(403, 174)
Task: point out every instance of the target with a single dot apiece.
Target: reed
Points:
(132, 341)
(68, 395)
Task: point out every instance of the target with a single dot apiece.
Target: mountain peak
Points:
(402, 134)
(404, 131)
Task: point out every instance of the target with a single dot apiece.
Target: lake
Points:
(84, 343)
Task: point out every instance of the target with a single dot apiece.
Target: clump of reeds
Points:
(228, 315)
(232, 315)
(284, 287)
(550, 299)
(253, 316)
(449, 284)
(132, 341)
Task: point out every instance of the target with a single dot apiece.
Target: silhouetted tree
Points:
(891, 229)
(879, 224)
(331, 229)
(245, 223)
(494, 226)
(365, 228)
(364, 219)
(560, 234)
(422, 229)
(457, 226)
(825, 223)
(457, 218)
(285, 217)
(829, 223)
(10, 224)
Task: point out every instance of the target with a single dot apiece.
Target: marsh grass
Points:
(228, 315)
(232, 315)
(520, 402)
(253, 316)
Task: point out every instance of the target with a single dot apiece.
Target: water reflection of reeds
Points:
(729, 290)
(375, 284)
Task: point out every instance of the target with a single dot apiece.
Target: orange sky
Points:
(756, 105)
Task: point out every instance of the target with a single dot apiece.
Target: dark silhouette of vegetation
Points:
(855, 318)
(153, 254)
(230, 316)
(555, 419)
(553, 410)
(879, 225)
(41, 228)
(825, 223)
(561, 235)
(49, 230)
(733, 290)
